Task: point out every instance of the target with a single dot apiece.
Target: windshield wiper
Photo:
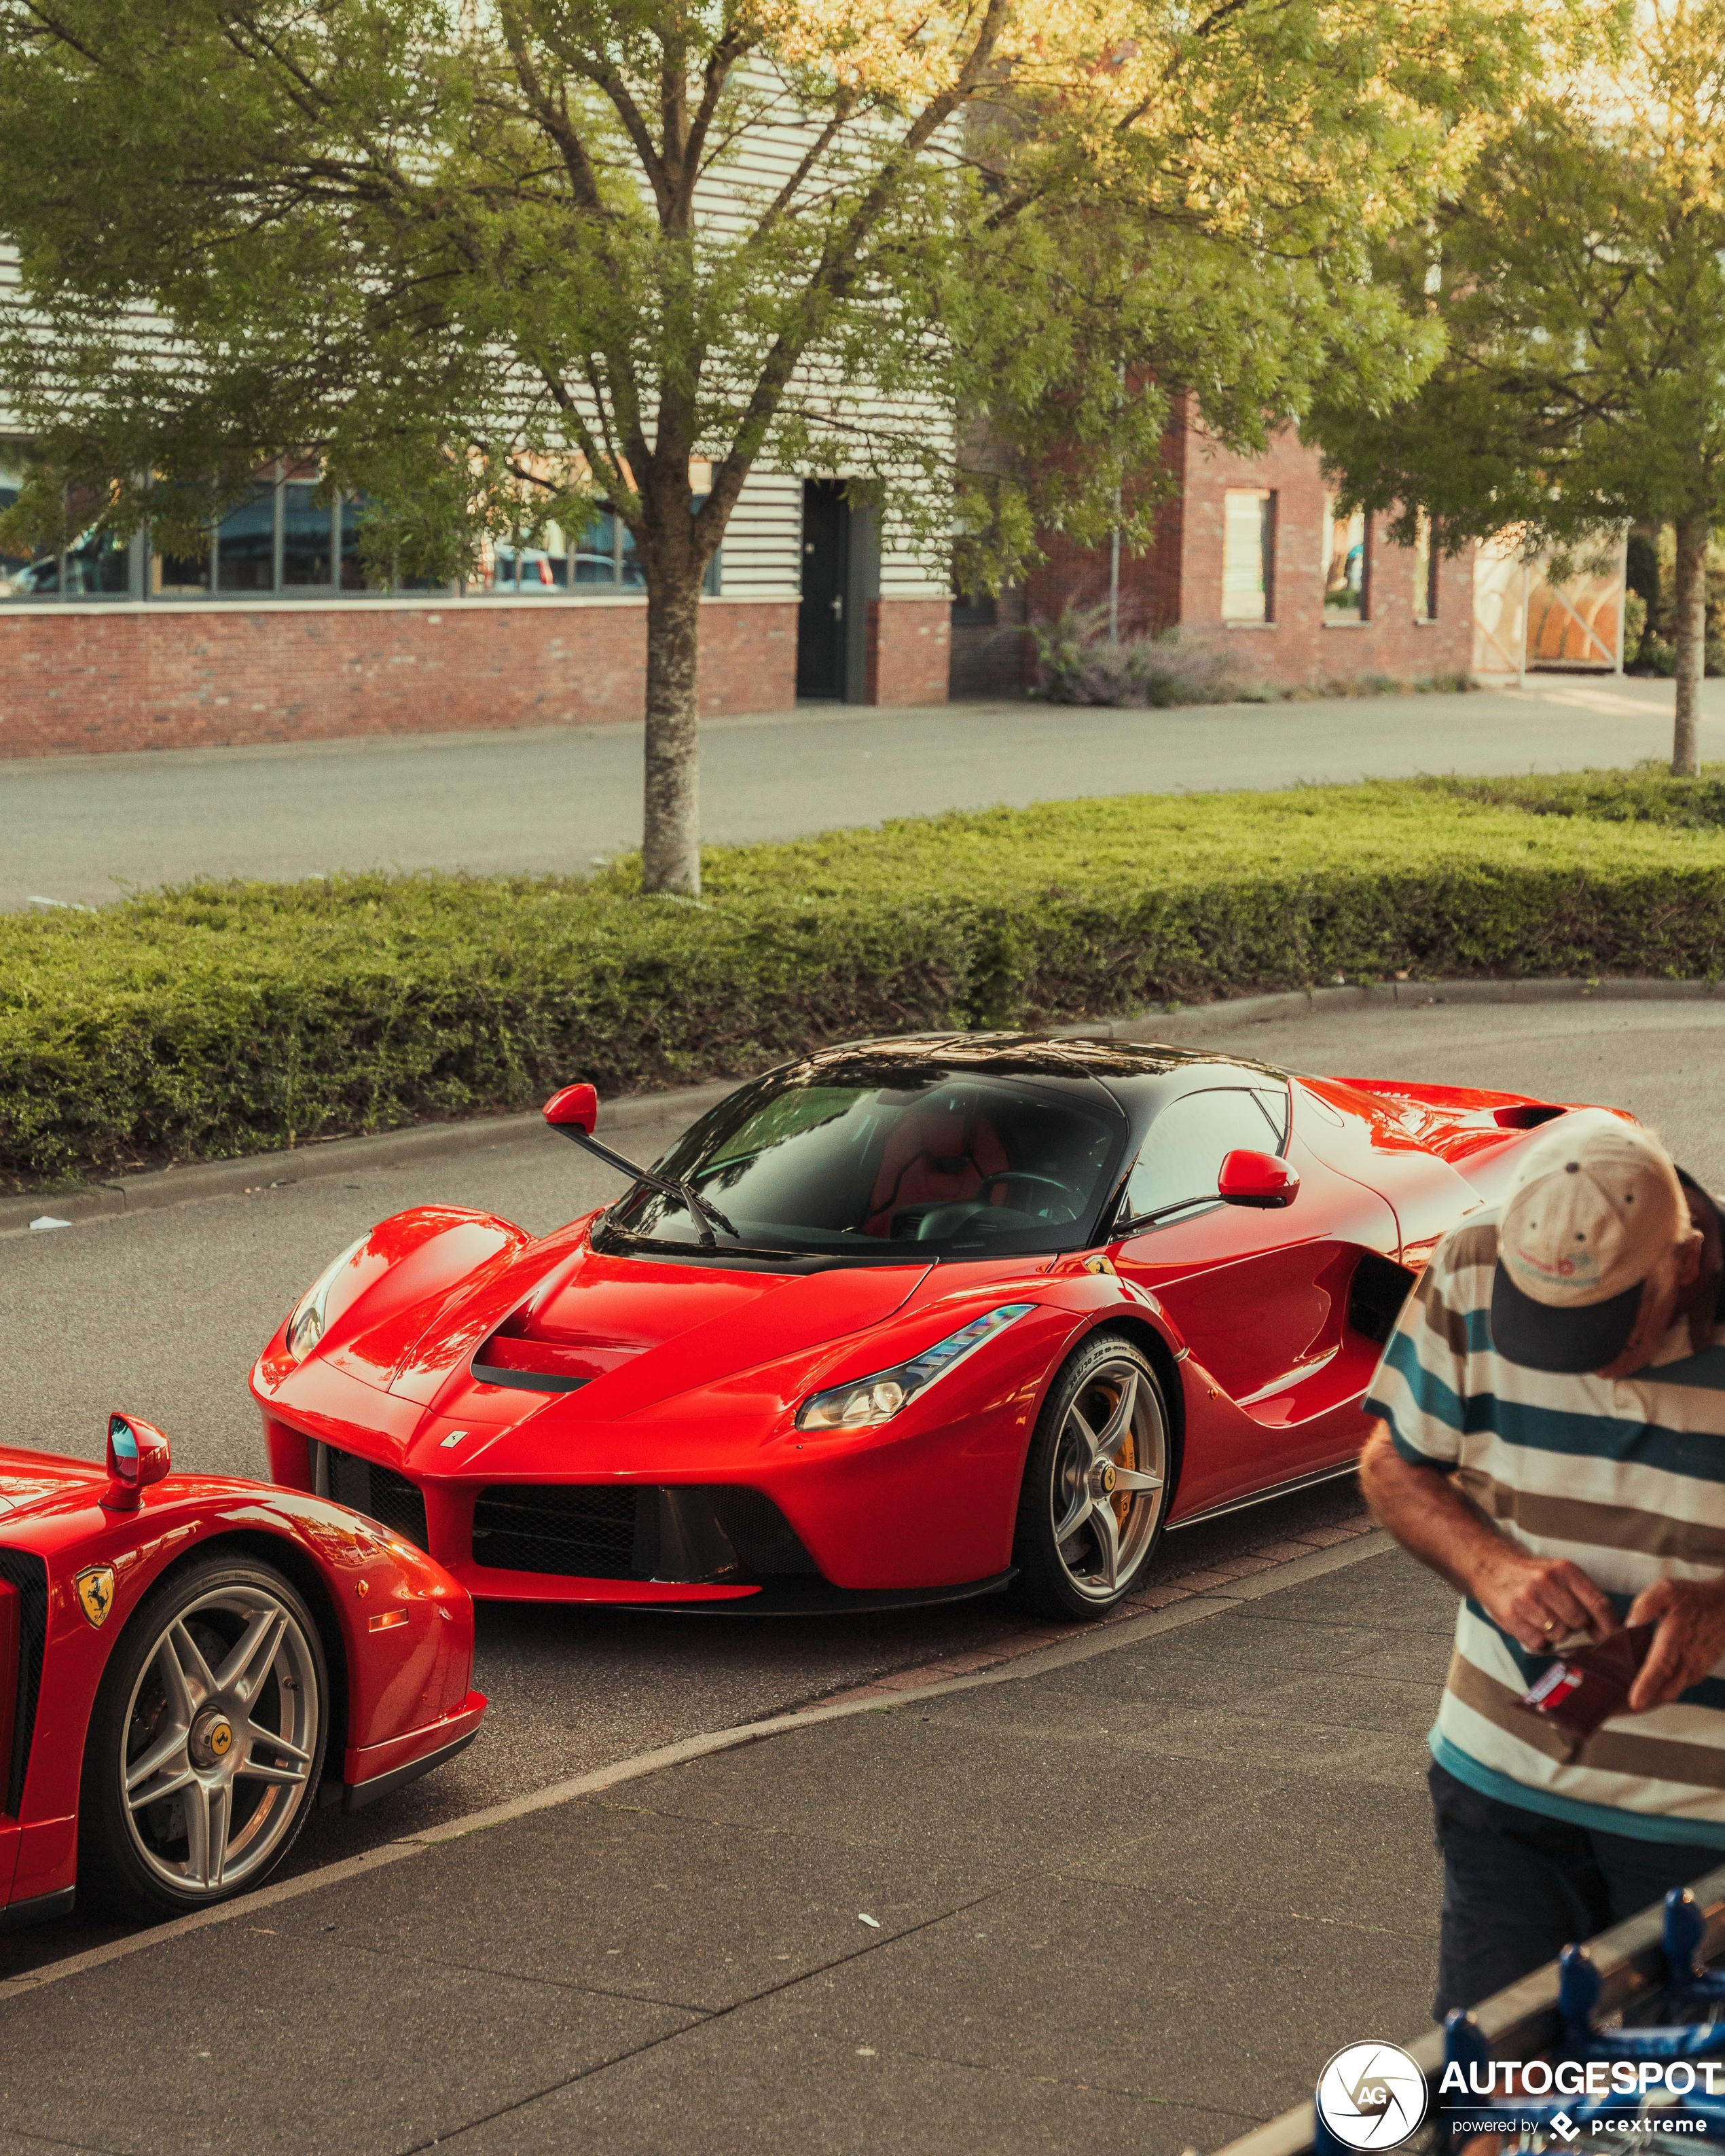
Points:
(701, 1211)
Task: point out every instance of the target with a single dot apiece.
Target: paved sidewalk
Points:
(1128, 1892)
(83, 829)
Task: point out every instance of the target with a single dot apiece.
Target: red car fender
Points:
(392, 1679)
(932, 1497)
(397, 1272)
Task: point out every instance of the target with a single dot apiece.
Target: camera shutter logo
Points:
(1371, 2096)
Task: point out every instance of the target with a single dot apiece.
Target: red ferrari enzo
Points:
(188, 1662)
(899, 1322)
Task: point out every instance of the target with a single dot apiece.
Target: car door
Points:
(1259, 1297)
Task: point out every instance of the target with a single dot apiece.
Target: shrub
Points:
(1079, 663)
(227, 1018)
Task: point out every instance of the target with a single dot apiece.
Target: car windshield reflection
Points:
(961, 1163)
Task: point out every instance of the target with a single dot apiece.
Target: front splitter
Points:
(820, 1598)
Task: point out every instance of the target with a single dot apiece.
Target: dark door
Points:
(826, 573)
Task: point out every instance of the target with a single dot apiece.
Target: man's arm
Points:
(1537, 1600)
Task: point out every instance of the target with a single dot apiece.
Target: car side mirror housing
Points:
(575, 1107)
(138, 1455)
(1256, 1179)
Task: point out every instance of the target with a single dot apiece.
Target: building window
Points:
(281, 541)
(603, 557)
(1426, 571)
(1347, 572)
(1248, 554)
(92, 566)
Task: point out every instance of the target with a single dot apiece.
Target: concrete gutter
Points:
(432, 1141)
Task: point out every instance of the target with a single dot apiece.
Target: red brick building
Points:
(1249, 557)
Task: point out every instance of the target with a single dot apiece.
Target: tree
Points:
(1579, 279)
(494, 261)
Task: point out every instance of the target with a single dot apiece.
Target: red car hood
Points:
(629, 1330)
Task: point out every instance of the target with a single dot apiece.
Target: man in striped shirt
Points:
(1551, 1439)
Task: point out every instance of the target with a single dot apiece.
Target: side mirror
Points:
(1256, 1179)
(576, 1107)
(138, 1455)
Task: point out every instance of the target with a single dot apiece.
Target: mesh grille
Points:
(587, 1533)
(380, 1493)
(603, 1532)
(29, 1574)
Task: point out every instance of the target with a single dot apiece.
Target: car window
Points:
(1187, 1143)
(960, 1164)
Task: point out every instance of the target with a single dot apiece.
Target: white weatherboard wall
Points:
(762, 546)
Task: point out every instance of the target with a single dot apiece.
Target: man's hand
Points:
(1540, 1600)
(1691, 1617)
(1537, 1600)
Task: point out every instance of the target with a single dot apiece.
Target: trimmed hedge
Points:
(224, 1018)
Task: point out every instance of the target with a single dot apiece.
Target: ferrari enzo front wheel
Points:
(1095, 1488)
(206, 1744)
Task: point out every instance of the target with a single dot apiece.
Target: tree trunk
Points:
(670, 839)
(1692, 597)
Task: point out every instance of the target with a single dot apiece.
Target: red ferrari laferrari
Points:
(189, 1662)
(898, 1322)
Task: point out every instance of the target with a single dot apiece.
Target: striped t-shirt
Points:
(1625, 1478)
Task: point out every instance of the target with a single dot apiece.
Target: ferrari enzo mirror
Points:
(573, 1111)
(138, 1455)
(574, 1107)
(1256, 1179)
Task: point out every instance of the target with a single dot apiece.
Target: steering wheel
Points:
(1028, 1175)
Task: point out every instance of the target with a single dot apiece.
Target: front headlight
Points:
(867, 1401)
(312, 1311)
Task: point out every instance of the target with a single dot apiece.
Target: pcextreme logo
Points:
(1371, 2096)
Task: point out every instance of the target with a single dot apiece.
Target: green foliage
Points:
(221, 1019)
(466, 254)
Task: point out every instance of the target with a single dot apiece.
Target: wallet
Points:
(1586, 1686)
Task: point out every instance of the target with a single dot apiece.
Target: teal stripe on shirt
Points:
(1603, 1818)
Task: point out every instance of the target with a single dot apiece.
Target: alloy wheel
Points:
(218, 1738)
(1106, 1492)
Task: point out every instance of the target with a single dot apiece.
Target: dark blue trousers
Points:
(1519, 1886)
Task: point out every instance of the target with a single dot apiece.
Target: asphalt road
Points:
(83, 829)
(162, 1313)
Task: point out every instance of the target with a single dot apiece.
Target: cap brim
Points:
(1573, 1341)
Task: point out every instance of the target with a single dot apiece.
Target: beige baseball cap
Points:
(1595, 1206)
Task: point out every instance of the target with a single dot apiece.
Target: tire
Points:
(1099, 1454)
(219, 1680)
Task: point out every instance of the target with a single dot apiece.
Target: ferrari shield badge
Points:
(95, 1592)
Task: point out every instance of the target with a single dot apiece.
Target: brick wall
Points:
(1299, 649)
(74, 681)
(1149, 580)
(1178, 578)
(909, 651)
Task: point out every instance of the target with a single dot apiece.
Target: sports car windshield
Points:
(961, 1164)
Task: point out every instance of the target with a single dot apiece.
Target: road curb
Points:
(429, 1141)
(1060, 1654)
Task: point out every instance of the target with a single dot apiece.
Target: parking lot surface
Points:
(1132, 1900)
(162, 1312)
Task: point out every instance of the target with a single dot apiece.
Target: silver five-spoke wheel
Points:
(207, 1751)
(1096, 1483)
